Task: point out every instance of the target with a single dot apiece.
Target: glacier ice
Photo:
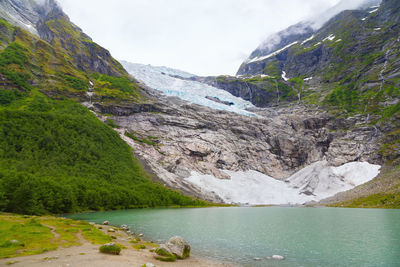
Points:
(160, 78)
(312, 183)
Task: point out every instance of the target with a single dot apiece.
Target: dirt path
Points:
(52, 230)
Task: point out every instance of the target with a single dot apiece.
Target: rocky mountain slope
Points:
(178, 141)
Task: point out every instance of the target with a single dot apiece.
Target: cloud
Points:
(207, 37)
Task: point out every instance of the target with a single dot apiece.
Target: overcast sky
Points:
(204, 37)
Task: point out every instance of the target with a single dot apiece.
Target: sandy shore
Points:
(88, 254)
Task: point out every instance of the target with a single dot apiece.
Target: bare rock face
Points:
(174, 138)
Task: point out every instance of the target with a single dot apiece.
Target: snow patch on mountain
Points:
(272, 54)
(308, 39)
(331, 37)
(313, 183)
(160, 78)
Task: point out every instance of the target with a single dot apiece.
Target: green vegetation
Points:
(272, 69)
(164, 255)
(57, 157)
(111, 123)
(150, 140)
(114, 249)
(380, 200)
(139, 246)
(28, 235)
(344, 98)
(114, 87)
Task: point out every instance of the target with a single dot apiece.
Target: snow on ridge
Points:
(308, 39)
(284, 76)
(313, 183)
(307, 79)
(272, 54)
(372, 11)
(330, 38)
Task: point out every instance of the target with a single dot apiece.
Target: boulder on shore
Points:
(176, 246)
(106, 223)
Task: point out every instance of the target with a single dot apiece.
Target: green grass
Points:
(33, 235)
(381, 200)
(139, 246)
(149, 140)
(163, 255)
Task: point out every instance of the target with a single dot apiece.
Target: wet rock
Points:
(124, 227)
(276, 257)
(106, 223)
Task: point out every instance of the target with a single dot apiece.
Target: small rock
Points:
(140, 235)
(14, 241)
(149, 264)
(106, 223)
(257, 259)
(92, 223)
(111, 230)
(276, 257)
(124, 227)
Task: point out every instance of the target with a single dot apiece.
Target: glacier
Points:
(160, 78)
(312, 183)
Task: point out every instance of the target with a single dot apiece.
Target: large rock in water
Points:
(178, 246)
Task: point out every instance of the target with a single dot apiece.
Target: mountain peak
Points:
(27, 13)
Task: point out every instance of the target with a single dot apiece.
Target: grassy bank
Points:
(22, 235)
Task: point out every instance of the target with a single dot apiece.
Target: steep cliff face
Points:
(261, 90)
(58, 58)
(46, 19)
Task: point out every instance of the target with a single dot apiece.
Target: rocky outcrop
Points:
(260, 92)
(181, 138)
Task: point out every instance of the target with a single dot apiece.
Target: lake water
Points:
(305, 236)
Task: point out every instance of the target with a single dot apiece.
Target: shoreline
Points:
(87, 254)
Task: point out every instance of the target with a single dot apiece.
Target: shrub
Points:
(110, 248)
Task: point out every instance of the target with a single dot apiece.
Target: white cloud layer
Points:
(206, 37)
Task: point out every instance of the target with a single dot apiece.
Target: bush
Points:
(110, 248)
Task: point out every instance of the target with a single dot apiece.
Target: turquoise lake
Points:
(305, 236)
